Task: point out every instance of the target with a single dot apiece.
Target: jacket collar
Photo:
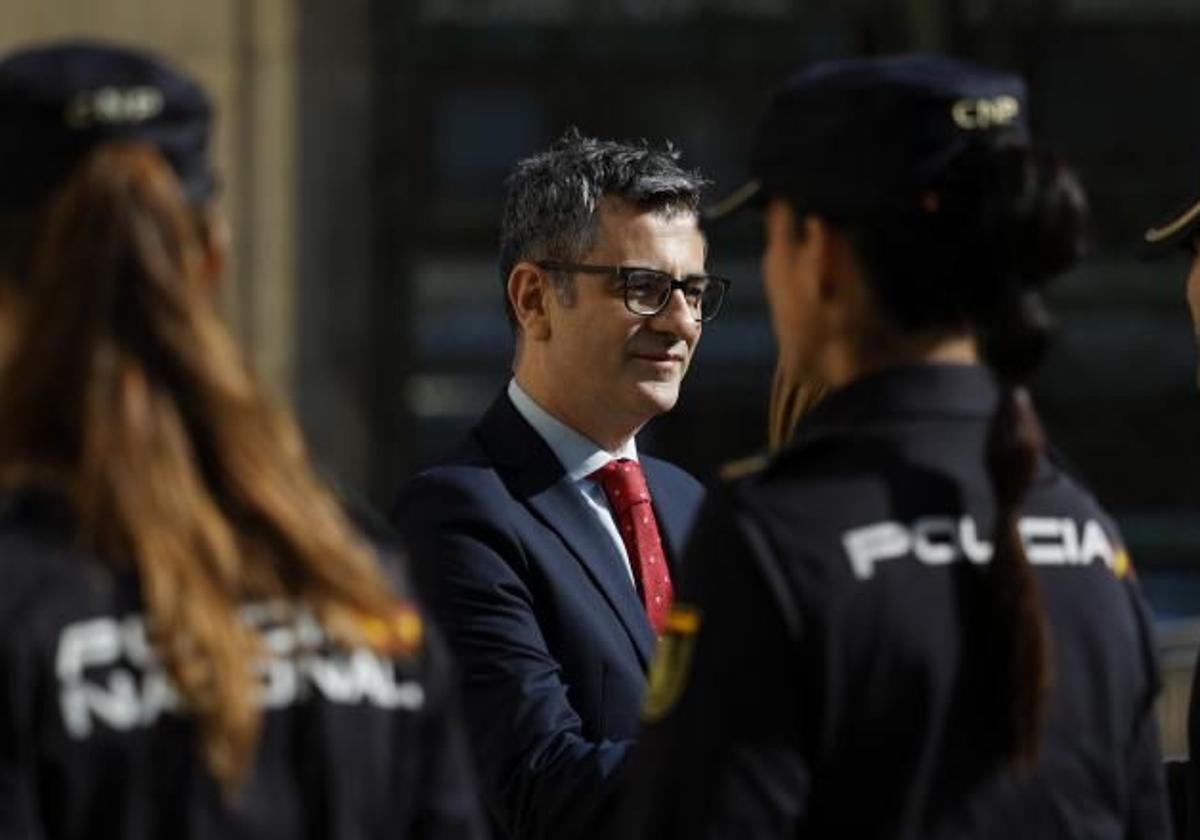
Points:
(925, 390)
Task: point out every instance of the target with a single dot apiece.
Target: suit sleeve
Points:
(720, 756)
(541, 778)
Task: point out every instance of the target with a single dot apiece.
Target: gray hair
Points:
(551, 199)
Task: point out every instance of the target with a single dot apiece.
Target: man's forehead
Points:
(623, 218)
(615, 204)
(651, 240)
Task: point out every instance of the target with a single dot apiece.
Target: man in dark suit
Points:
(546, 543)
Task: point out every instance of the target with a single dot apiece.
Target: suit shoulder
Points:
(666, 471)
(466, 486)
(467, 458)
(451, 486)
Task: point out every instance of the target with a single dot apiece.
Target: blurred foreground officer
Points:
(549, 541)
(194, 641)
(911, 623)
(1180, 233)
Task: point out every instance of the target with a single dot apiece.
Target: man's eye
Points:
(644, 285)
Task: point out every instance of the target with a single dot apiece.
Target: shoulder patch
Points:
(743, 467)
(403, 635)
(672, 663)
(1122, 565)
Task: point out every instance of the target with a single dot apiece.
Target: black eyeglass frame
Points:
(623, 272)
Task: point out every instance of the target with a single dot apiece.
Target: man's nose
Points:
(677, 317)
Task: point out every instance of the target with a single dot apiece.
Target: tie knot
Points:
(623, 483)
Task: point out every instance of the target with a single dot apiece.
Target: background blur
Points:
(363, 144)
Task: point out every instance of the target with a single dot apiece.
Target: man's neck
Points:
(597, 426)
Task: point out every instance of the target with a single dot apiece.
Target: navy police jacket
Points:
(94, 742)
(823, 676)
(551, 639)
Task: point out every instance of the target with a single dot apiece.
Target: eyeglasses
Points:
(648, 291)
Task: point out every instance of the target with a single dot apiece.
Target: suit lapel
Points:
(673, 510)
(537, 478)
(562, 509)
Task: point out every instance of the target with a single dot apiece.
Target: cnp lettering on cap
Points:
(59, 101)
(114, 105)
(974, 114)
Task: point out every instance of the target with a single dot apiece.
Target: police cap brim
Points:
(749, 194)
(1179, 230)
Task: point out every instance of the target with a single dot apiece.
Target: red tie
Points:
(627, 494)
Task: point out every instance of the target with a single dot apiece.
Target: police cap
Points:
(59, 101)
(873, 133)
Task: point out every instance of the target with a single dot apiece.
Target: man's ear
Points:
(529, 294)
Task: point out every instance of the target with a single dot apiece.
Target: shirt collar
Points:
(579, 455)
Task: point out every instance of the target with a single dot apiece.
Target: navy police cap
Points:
(872, 134)
(59, 101)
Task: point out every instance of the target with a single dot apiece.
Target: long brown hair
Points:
(125, 394)
(791, 401)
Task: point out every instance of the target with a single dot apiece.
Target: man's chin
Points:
(658, 396)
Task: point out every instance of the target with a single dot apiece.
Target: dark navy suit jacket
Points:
(551, 638)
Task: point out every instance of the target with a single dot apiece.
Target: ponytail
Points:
(1032, 217)
(1015, 335)
(1016, 635)
(125, 394)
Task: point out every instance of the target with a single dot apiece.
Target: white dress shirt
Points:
(580, 458)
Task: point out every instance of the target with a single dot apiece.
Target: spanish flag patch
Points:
(1122, 566)
(402, 635)
(672, 662)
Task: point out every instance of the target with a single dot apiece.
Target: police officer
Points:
(194, 639)
(912, 623)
